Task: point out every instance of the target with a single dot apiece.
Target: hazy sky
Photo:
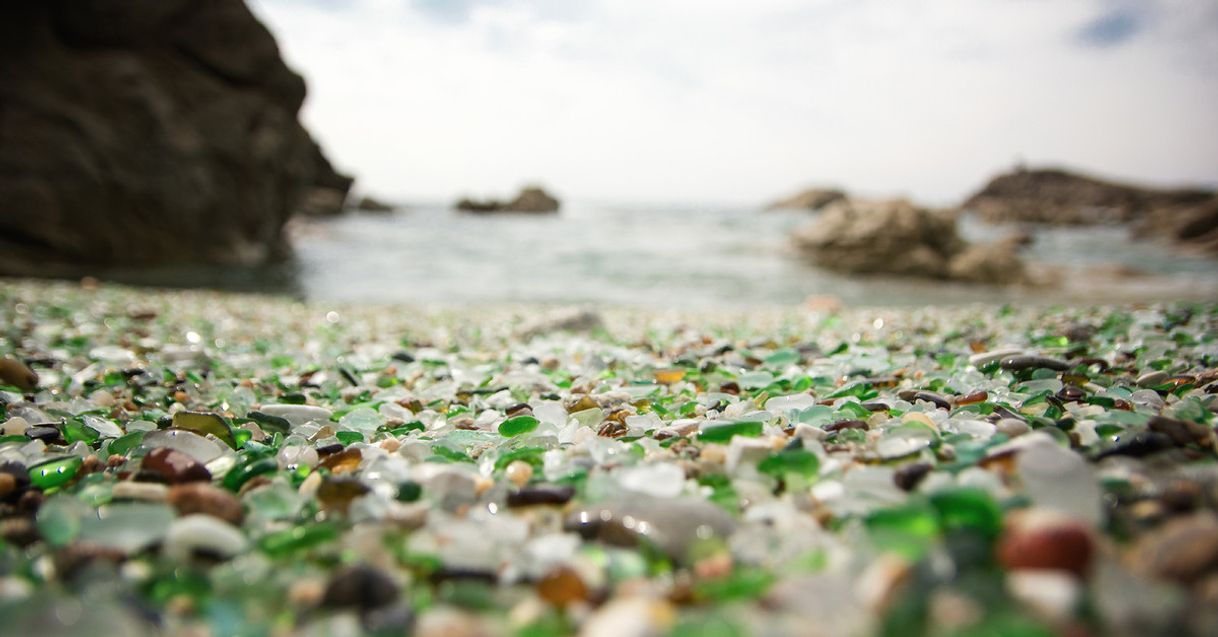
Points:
(711, 101)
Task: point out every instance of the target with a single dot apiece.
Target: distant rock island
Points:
(368, 203)
(1193, 226)
(532, 199)
(1056, 196)
(1188, 216)
(899, 238)
(145, 133)
(810, 199)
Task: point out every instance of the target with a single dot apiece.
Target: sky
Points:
(706, 101)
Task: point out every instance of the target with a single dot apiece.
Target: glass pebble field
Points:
(198, 463)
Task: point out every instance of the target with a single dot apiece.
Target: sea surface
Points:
(661, 256)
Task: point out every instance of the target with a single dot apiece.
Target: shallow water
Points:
(694, 256)
(702, 256)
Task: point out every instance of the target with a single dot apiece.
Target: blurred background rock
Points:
(149, 132)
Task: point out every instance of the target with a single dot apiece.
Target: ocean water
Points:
(701, 256)
(657, 256)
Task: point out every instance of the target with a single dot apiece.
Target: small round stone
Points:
(18, 374)
(1017, 363)
(907, 477)
(394, 619)
(1182, 432)
(846, 424)
(48, 434)
(973, 398)
(20, 530)
(143, 491)
(541, 494)
(201, 497)
(1012, 427)
(15, 426)
(1047, 542)
(1152, 379)
(562, 587)
(175, 466)
(8, 484)
(519, 472)
(202, 536)
(18, 479)
(1184, 549)
(306, 593)
(360, 586)
(102, 398)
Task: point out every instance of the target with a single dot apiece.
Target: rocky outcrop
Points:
(898, 238)
(372, 204)
(140, 132)
(811, 199)
(1054, 196)
(327, 195)
(532, 199)
(1193, 226)
(995, 263)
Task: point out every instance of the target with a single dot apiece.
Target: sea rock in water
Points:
(322, 202)
(530, 199)
(881, 237)
(533, 199)
(896, 237)
(810, 199)
(1060, 197)
(997, 262)
(371, 204)
(147, 132)
(328, 195)
(1194, 225)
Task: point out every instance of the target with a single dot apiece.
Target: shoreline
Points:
(1092, 286)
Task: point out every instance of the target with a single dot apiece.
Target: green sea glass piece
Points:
(725, 432)
(203, 424)
(799, 461)
(908, 530)
(289, 541)
(518, 425)
(55, 473)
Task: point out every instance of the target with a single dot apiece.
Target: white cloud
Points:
(671, 100)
